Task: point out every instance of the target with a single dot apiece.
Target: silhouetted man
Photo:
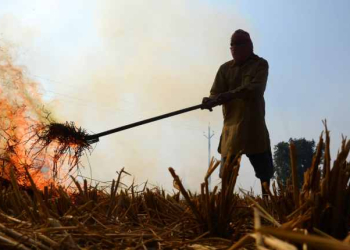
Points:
(239, 87)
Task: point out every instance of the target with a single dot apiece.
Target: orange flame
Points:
(20, 112)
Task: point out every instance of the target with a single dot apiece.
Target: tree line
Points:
(305, 150)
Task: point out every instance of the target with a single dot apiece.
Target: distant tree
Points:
(305, 150)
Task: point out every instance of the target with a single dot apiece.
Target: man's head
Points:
(241, 46)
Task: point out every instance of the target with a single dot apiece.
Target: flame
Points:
(20, 113)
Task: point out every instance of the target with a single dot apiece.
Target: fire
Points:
(21, 114)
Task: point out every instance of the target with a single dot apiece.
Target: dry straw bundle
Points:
(67, 140)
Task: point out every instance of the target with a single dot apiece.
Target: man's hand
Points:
(208, 103)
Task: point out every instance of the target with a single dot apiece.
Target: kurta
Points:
(244, 117)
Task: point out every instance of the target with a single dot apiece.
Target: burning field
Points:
(44, 206)
(120, 217)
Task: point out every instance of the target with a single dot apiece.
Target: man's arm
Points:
(219, 87)
(256, 87)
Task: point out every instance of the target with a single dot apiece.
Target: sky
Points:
(105, 64)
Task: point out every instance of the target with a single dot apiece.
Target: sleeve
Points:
(257, 85)
(219, 85)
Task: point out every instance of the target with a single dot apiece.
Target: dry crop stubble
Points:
(143, 217)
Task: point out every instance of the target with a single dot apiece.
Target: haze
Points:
(104, 64)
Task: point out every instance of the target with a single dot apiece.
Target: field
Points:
(133, 217)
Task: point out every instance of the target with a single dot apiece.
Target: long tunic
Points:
(244, 117)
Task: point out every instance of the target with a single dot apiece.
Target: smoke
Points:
(116, 62)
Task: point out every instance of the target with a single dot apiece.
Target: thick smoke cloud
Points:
(109, 63)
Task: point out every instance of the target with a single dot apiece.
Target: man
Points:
(239, 87)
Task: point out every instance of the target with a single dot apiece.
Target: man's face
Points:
(240, 48)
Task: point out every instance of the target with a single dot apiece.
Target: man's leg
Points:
(222, 164)
(263, 167)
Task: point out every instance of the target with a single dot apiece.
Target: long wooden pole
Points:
(95, 137)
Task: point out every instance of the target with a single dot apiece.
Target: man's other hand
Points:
(224, 97)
